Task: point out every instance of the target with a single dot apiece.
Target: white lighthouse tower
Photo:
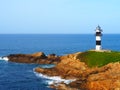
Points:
(98, 38)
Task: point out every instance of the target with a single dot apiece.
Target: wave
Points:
(4, 58)
(56, 80)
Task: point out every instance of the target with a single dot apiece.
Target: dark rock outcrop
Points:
(39, 58)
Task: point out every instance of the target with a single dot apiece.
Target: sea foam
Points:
(54, 79)
(4, 58)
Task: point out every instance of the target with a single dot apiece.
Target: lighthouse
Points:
(98, 38)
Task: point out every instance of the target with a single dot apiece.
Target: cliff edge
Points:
(89, 76)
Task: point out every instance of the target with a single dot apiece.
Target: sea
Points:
(21, 76)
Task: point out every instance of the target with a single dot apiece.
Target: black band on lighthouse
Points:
(98, 34)
(98, 42)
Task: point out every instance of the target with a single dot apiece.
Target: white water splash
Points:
(4, 58)
(54, 79)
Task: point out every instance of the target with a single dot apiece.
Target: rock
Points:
(52, 55)
(40, 55)
(39, 70)
(103, 78)
(68, 67)
(62, 86)
(39, 58)
(103, 85)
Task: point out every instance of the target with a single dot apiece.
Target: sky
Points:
(59, 16)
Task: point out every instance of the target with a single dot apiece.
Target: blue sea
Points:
(17, 76)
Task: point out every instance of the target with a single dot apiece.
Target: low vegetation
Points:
(93, 59)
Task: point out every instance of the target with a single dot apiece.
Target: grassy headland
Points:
(93, 59)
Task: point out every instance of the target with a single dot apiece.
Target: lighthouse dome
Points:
(98, 28)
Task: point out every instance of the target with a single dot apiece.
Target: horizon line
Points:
(56, 33)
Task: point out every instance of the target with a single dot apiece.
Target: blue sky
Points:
(59, 16)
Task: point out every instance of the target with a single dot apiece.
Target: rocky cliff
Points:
(98, 78)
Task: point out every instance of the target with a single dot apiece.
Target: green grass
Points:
(93, 59)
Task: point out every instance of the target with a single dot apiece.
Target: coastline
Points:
(76, 69)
